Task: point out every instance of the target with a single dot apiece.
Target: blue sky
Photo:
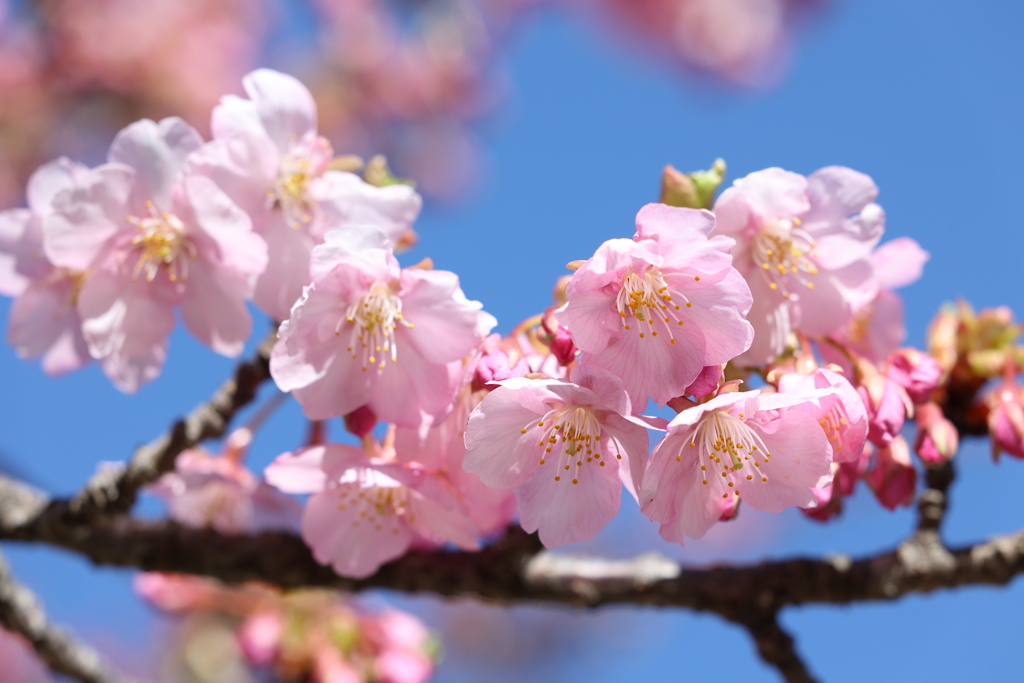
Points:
(926, 97)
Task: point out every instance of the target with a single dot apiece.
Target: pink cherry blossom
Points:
(803, 245)
(845, 421)
(269, 159)
(154, 238)
(44, 320)
(221, 493)
(658, 309)
(564, 446)
(915, 371)
(368, 511)
(366, 333)
(893, 477)
(878, 328)
(760, 448)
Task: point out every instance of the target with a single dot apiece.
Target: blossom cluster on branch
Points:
(765, 317)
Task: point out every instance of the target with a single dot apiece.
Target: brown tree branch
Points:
(514, 569)
(113, 490)
(21, 613)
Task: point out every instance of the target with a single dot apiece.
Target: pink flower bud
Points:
(259, 638)
(937, 439)
(830, 503)
(1006, 419)
(917, 372)
(730, 510)
(893, 478)
(495, 367)
(887, 404)
(361, 421)
(562, 346)
(706, 382)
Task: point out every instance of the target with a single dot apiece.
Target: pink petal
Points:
(43, 321)
(230, 229)
(837, 192)
(214, 307)
(126, 325)
(16, 251)
(304, 471)
(284, 106)
(235, 115)
(51, 179)
(353, 547)
(446, 322)
(86, 217)
(899, 262)
(438, 515)
(280, 285)
(800, 461)
(157, 152)
(244, 165)
(498, 452)
(564, 512)
(347, 199)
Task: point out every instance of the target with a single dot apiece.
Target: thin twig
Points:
(113, 490)
(21, 613)
(776, 647)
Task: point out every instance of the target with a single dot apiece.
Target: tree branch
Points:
(21, 613)
(514, 569)
(113, 491)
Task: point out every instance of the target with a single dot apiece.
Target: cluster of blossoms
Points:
(779, 282)
(311, 635)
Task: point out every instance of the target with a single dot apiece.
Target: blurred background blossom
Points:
(408, 78)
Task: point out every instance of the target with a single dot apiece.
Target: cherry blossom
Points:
(760, 448)
(269, 159)
(366, 332)
(878, 328)
(658, 309)
(564, 446)
(367, 511)
(222, 494)
(44, 319)
(803, 245)
(154, 238)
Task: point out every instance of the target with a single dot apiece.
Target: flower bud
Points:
(893, 477)
(1006, 419)
(937, 439)
(361, 421)
(918, 373)
(887, 405)
(496, 366)
(691, 190)
(706, 382)
(259, 637)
